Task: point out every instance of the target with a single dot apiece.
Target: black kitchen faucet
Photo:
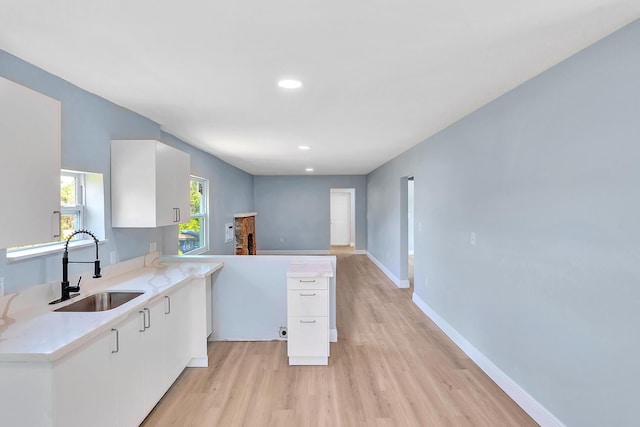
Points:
(65, 288)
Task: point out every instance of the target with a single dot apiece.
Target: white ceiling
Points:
(378, 76)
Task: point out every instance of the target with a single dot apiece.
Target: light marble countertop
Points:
(36, 333)
(310, 269)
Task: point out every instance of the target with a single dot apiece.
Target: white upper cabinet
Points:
(29, 166)
(149, 184)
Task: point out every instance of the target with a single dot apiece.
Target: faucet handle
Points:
(75, 288)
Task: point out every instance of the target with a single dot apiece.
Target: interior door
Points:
(340, 218)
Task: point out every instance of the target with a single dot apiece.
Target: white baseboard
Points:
(333, 335)
(292, 252)
(399, 283)
(530, 405)
(360, 252)
(198, 362)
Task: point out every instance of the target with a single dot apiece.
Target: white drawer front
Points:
(308, 302)
(308, 336)
(308, 283)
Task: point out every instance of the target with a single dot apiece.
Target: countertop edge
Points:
(119, 314)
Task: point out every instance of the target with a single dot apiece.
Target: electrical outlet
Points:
(152, 247)
(473, 238)
(1, 286)
(112, 256)
(281, 239)
(283, 332)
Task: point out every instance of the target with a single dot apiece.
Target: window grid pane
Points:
(192, 235)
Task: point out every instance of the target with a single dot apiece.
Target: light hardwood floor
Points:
(391, 366)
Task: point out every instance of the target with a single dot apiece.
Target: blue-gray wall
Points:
(295, 209)
(547, 176)
(89, 123)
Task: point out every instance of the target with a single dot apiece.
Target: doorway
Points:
(342, 218)
(406, 231)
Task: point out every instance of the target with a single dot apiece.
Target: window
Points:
(192, 236)
(81, 207)
(72, 204)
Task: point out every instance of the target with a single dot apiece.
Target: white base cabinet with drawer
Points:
(114, 379)
(308, 320)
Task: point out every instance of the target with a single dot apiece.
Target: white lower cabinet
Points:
(127, 371)
(308, 321)
(154, 347)
(179, 333)
(83, 386)
(152, 354)
(120, 376)
(308, 337)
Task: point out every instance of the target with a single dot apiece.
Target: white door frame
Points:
(404, 232)
(352, 209)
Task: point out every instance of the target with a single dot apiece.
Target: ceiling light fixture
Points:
(309, 170)
(290, 84)
(304, 147)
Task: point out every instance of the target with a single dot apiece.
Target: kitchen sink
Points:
(102, 301)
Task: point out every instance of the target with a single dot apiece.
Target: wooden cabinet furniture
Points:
(29, 166)
(149, 184)
(308, 313)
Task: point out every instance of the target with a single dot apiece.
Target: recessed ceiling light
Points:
(290, 84)
(304, 147)
(309, 170)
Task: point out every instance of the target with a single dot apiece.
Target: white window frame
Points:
(78, 208)
(204, 207)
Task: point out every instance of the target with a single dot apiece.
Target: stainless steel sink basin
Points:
(101, 301)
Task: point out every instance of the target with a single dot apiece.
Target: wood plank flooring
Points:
(391, 366)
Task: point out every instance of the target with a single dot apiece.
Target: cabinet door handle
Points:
(144, 327)
(117, 341)
(168, 299)
(179, 214)
(308, 281)
(148, 317)
(308, 295)
(307, 321)
(59, 224)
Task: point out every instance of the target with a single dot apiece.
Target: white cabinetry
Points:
(154, 346)
(308, 320)
(83, 385)
(127, 370)
(178, 340)
(149, 184)
(115, 379)
(29, 166)
(152, 354)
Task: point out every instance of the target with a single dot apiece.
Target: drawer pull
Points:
(308, 281)
(307, 321)
(117, 341)
(308, 295)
